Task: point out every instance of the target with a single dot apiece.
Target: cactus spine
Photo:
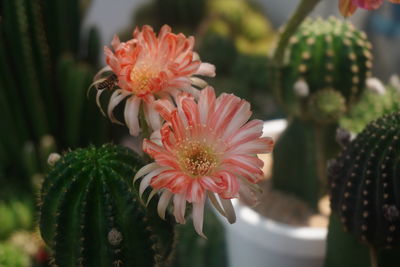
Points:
(364, 184)
(91, 215)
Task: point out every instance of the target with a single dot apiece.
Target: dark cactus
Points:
(365, 187)
(365, 183)
(91, 214)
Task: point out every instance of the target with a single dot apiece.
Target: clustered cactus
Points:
(364, 184)
(327, 65)
(91, 214)
(46, 70)
(371, 106)
(328, 57)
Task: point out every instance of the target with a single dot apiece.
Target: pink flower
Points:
(148, 67)
(204, 149)
(348, 7)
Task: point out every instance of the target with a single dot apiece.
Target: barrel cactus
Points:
(364, 189)
(325, 54)
(364, 182)
(91, 214)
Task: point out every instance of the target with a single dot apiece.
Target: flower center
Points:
(141, 77)
(196, 158)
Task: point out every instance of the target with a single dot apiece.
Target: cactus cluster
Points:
(15, 214)
(91, 214)
(370, 107)
(45, 75)
(325, 56)
(364, 183)
(10, 256)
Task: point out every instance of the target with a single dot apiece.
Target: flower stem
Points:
(305, 7)
(373, 253)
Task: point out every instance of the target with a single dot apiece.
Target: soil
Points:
(288, 209)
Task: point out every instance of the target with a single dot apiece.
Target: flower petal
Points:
(146, 180)
(347, 8)
(368, 4)
(145, 170)
(179, 208)
(163, 203)
(115, 99)
(229, 211)
(131, 114)
(198, 216)
(206, 69)
(152, 117)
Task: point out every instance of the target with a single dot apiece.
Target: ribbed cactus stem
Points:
(91, 215)
(365, 185)
(304, 147)
(364, 182)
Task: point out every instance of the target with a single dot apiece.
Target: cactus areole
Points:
(90, 215)
(365, 183)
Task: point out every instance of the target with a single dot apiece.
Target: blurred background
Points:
(50, 50)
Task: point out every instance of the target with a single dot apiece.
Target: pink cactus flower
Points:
(348, 7)
(205, 149)
(146, 68)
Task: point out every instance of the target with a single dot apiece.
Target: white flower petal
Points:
(98, 94)
(145, 170)
(151, 195)
(206, 69)
(198, 82)
(152, 117)
(229, 211)
(215, 203)
(131, 114)
(198, 217)
(101, 72)
(163, 203)
(179, 208)
(115, 99)
(146, 180)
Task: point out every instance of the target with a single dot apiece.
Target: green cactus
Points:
(10, 256)
(39, 91)
(370, 107)
(328, 62)
(16, 214)
(364, 184)
(326, 105)
(325, 54)
(91, 214)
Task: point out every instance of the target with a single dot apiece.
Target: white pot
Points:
(256, 241)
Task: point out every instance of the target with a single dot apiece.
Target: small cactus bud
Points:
(326, 105)
(53, 158)
(376, 86)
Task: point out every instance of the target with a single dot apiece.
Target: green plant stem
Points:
(373, 253)
(305, 7)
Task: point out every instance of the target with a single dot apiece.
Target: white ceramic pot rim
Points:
(283, 238)
(269, 234)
